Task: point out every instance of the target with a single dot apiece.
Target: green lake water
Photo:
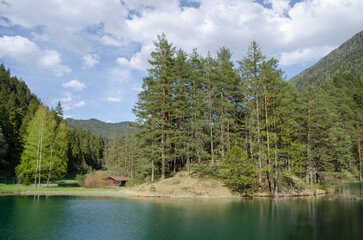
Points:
(58, 217)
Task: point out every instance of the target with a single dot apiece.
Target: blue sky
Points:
(92, 54)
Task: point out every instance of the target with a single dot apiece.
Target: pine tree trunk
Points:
(210, 122)
(162, 156)
(268, 138)
(276, 157)
(309, 175)
(37, 162)
(125, 170)
(163, 135)
(259, 144)
(360, 160)
(249, 127)
(152, 161)
(152, 170)
(40, 159)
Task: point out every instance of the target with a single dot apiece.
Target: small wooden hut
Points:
(118, 181)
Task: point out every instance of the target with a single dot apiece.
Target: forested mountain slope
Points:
(17, 104)
(97, 127)
(347, 57)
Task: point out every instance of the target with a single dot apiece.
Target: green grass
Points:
(6, 189)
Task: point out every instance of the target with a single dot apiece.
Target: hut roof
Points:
(119, 178)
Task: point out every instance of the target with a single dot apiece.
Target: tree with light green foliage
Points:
(45, 145)
(58, 152)
(239, 171)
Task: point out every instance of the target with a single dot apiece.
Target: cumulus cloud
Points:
(69, 101)
(75, 85)
(66, 99)
(136, 88)
(284, 26)
(114, 99)
(90, 60)
(66, 22)
(24, 51)
(109, 41)
(79, 104)
(303, 56)
(19, 48)
(139, 60)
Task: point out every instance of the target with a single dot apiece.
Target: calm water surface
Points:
(329, 217)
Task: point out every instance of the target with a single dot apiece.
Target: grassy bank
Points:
(182, 185)
(69, 191)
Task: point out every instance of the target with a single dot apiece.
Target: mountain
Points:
(347, 57)
(97, 127)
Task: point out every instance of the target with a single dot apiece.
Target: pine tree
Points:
(154, 108)
(211, 92)
(239, 171)
(250, 65)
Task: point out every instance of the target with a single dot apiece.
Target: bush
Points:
(152, 188)
(26, 181)
(80, 179)
(95, 180)
(203, 169)
(239, 172)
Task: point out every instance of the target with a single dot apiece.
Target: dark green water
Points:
(33, 217)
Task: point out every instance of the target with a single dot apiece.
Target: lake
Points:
(59, 217)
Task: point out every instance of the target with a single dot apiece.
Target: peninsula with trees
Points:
(202, 120)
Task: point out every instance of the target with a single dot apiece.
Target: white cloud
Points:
(69, 101)
(79, 104)
(75, 85)
(40, 37)
(66, 99)
(285, 27)
(280, 6)
(26, 52)
(109, 41)
(66, 116)
(90, 60)
(137, 89)
(19, 48)
(52, 60)
(139, 60)
(114, 99)
(122, 61)
(303, 56)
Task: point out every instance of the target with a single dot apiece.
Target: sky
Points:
(91, 55)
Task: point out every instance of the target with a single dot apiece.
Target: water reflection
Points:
(57, 217)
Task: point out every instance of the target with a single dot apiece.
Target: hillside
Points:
(97, 127)
(347, 57)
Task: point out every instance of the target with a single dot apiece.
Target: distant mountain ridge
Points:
(347, 57)
(97, 127)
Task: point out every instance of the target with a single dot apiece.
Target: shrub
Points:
(239, 172)
(203, 169)
(26, 181)
(95, 180)
(152, 188)
(80, 179)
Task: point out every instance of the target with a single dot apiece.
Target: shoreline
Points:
(127, 195)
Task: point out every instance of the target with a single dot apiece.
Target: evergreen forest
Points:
(237, 121)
